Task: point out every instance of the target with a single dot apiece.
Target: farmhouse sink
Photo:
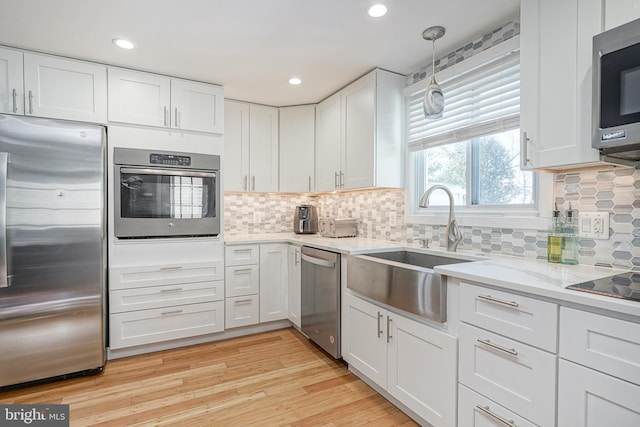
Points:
(402, 279)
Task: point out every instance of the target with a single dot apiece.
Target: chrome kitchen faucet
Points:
(454, 236)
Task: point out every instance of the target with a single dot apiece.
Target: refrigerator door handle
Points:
(4, 162)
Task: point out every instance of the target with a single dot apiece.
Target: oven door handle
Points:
(318, 261)
(170, 172)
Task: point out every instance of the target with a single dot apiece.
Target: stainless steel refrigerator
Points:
(52, 249)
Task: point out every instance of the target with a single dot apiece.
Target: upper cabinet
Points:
(618, 12)
(297, 142)
(359, 134)
(251, 147)
(555, 71)
(154, 100)
(48, 86)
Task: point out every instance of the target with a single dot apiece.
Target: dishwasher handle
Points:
(318, 261)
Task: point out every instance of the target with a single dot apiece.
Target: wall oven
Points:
(165, 194)
(616, 93)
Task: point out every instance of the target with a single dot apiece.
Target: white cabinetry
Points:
(273, 282)
(555, 72)
(297, 142)
(48, 86)
(242, 283)
(358, 134)
(413, 362)
(594, 350)
(499, 360)
(150, 304)
(154, 100)
(618, 12)
(294, 285)
(251, 147)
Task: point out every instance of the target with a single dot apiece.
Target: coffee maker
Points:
(305, 220)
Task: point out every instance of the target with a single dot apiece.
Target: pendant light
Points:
(433, 103)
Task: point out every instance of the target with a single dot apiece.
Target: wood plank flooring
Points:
(276, 378)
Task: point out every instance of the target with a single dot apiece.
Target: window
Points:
(474, 149)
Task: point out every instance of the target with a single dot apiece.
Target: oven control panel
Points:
(169, 159)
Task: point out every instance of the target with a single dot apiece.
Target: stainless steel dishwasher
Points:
(321, 298)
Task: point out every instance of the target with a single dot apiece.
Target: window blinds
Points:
(481, 101)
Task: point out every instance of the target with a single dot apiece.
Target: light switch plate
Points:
(594, 225)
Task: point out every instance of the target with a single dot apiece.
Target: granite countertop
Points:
(536, 277)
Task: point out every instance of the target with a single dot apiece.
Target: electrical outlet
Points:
(392, 218)
(594, 225)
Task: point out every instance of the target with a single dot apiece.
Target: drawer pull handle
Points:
(380, 316)
(486, 410)
(511, 351)
(166, 291)
(498, 301)
(167, 313)
(243, 301)
(178, 267)
(389, 336)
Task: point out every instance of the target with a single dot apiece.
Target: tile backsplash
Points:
(380, 214)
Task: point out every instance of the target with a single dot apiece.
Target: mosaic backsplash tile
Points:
(612, 190)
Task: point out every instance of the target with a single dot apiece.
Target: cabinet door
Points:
(422, 369)
(618, 12)
(263, 148)
(65, 89)
(294, 291)
(273, 282)
(590, 398)
(139, 98)
(556, 38)
(297, 143)
(365, 341)
(11, 82)
(197, 106)
(236, 146)
(327, 158)
(358, 132)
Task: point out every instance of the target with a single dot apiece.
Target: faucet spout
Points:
(454, 236)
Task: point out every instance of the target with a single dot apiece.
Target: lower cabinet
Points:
(475, 410)
(273, 282)
(413, 362)
(242, 311)
(294, 285)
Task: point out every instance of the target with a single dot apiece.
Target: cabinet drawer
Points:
(242, 311)
(156, 325)
(521, 318)
(124, 300)
(158, 275)
(602, 343)
(514, 375)
(242, 254)
(242, 280)
(475, 410)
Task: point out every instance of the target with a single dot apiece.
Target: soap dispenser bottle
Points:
(570, 237)
(554, 238)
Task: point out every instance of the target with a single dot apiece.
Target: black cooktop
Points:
(625, 286)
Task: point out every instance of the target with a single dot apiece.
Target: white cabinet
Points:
(294, 285)
(498, 359)
(155, 100)
(273, 282)
(594, 350)
(155, 303)
(555, 73)
(49, 86)
(242, 284)
(359, 133)
(475, 410)
(413, 362)
(251, 147)
(297, 144)
(618, 12)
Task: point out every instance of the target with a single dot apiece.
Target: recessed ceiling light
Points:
(377, 10)
(294, 81)
(125, 44)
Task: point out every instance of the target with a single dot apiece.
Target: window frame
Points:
(535, 216)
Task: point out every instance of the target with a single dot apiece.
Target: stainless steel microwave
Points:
(165, 194)
(616, 93)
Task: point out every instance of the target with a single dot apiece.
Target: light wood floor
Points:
(275, 378)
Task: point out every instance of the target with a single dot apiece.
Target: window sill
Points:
(521, 220)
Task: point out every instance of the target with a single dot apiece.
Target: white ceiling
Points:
(252, 47)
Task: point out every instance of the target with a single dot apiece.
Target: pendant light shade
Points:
(433, 97)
